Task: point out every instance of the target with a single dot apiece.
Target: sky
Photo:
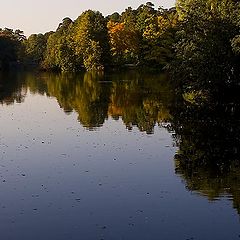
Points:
(32, 16)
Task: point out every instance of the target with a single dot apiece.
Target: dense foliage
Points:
(94, 42)
(11, 47)
(207, 57)
(142, 36)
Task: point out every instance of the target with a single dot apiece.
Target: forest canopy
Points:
(142, 36)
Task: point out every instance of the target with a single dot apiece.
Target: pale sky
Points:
(42, 16)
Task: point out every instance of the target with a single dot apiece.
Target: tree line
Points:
(142, 36)
(198, 41)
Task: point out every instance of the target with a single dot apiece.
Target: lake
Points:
(115, 156)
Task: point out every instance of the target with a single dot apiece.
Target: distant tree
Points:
(142, 36)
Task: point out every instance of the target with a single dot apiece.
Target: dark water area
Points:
(115, 156)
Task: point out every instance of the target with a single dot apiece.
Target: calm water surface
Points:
(101, 157)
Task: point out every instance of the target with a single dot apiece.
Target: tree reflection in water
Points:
(140, 100)
(207, 132)
(208, 137)
(11, 90)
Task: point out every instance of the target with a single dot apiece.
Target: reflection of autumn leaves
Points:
(140, 103)
(139, 100)
(158, 110)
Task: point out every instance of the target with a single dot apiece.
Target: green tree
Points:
(35, 47)
(144, 12)
(205, 60)
(115, 17)
(90, 36)
(159, 37)
(92, 56)
(60, 53)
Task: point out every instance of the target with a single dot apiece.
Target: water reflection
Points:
(207, 134)
(142, 101)
(139, 99)
(84, 94)
(208, 137)
(95, 97)
(11, 90)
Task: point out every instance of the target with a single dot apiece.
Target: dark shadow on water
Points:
(208, 136)
(11, 88)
